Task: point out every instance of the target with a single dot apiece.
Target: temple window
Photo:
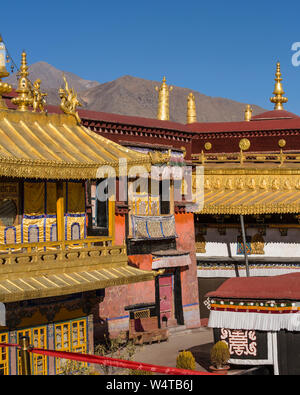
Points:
(70, 337)
(38, 338)
(4, 356)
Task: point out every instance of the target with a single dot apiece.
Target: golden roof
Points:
(57, 284)
(38, 145)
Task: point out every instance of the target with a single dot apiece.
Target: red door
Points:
(166, 299)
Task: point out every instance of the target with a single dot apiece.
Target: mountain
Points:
(52, 80)
(129, 95)
(135, 96)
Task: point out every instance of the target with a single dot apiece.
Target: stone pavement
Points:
(199, 341)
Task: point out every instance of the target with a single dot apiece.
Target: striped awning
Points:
(49, 285)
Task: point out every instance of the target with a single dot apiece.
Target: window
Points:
(70, 337)
(38, 338)
(97, 210)
(4, 356)
(164, 194)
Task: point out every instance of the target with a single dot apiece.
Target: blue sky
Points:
(219, 48)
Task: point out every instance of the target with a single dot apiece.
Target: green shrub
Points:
(185, 360)
(219, 354)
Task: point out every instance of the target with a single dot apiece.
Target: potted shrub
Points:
(219, 357)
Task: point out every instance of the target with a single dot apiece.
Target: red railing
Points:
(100, 360)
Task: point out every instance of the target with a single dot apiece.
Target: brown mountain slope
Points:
(52, 80)
(134, 96)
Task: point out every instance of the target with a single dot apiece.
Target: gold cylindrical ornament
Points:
(248, 113)
(191, 109)
(164, 90)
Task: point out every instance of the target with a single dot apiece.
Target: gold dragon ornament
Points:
(69, 101)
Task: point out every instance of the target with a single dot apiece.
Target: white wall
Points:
(275, 245)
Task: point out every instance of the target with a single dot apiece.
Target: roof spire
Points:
(278, 99)
(248, 113)
(191, 116)
(4, 87)
(163, 100)
(24, 99)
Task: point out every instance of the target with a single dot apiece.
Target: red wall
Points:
(186, 242)
(119, 229)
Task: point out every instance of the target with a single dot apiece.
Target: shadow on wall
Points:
(100, 330)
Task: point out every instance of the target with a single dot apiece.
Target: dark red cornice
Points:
(225, 136)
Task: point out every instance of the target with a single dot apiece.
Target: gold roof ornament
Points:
(4, 87)
(278, 99)
(24, 99)
(248, 113)
(69, 101)
(191, 109)
(208, 146)
(163, 100)
(39, 100)
(282, 143)
(244, 144)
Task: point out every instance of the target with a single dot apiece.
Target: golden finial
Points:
(69, 101)
(191, 116)
(4, 87)
(163, 100)
(278, 99)
(24, 99)
(248, 113)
